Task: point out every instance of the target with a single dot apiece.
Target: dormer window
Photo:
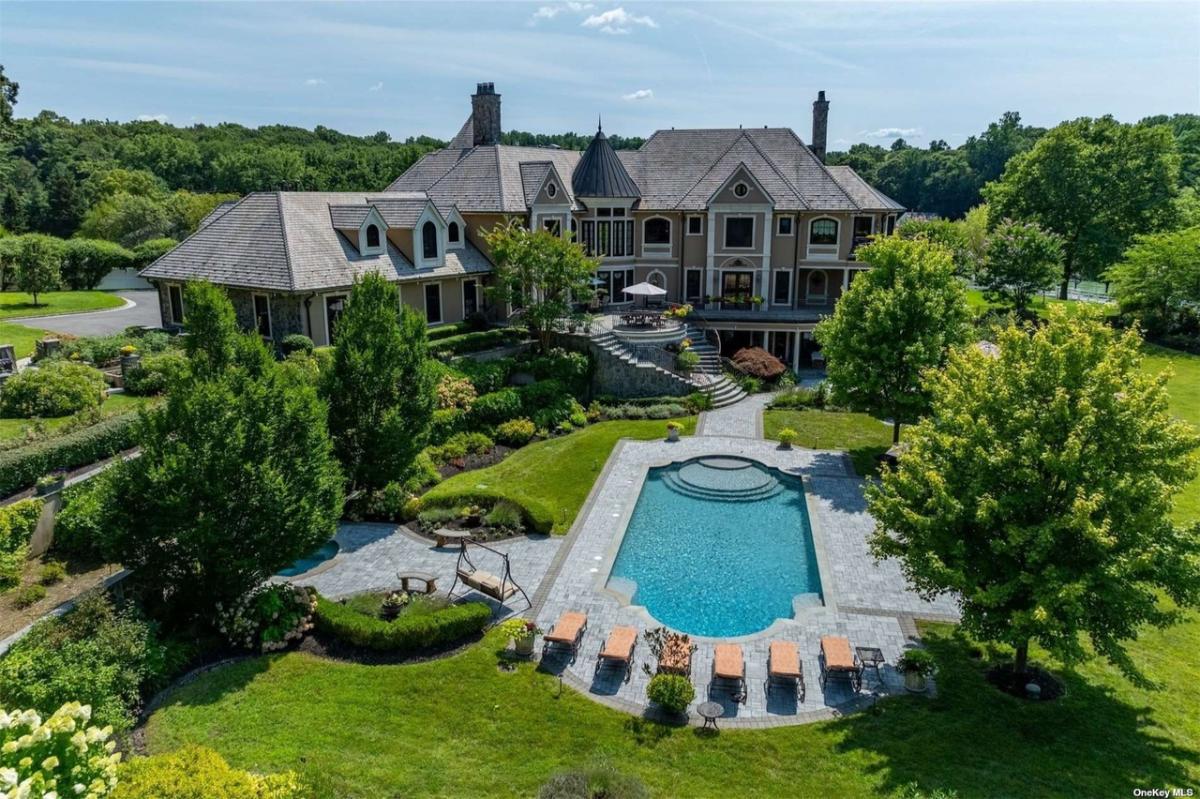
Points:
(372, 236)
(429, 246)
(551, 190)
(452, 233)
(741, 190)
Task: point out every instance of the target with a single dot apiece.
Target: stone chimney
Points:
(485, 115)
(820, 125)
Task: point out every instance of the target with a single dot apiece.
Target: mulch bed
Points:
(1002, 677)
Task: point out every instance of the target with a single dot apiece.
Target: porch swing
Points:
(498, 588)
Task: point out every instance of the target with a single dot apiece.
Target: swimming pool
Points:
(719, 547)
(327, 552)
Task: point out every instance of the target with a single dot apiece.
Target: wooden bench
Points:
(429, 580)
(444, 536)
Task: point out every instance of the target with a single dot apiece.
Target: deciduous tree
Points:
(896, 320)
(381, 385)
(1158, 281)
(1038, 491)
(540, 273)
(38, 262)
(1021, 260)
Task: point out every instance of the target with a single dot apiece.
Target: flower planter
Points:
(523, 646)
(915, 682)
(672, 434)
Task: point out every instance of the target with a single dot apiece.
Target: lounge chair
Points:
(618, 650)
(729, 666)
(838, 660)
(783, 666)
(567, 632)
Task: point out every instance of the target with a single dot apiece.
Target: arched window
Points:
(452, 233)
(657, 279)
(823, 231)
(429, 241)
(372, 236)
(657, 231)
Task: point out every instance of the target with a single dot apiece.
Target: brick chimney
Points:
(485, 115)
(820, 125)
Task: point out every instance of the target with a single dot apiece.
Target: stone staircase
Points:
(707, 377)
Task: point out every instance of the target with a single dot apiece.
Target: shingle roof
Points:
(533, 175)
(600, 172)
(673, 170)
(285, 241)
(215, 213)
(868, 197)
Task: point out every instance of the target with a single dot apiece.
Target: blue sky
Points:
(920, 70)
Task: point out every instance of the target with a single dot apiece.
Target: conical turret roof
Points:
(600, 172)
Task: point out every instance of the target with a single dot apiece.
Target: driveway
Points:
(141, 309)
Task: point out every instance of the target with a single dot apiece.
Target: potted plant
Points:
(917, 666)
(522, 632)
(787, 437)
(393, 603)
(50, 483)
(757, 300)
(673, 429)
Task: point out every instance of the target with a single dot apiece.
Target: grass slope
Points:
(860, 434)
(460, 727)
(14, 304)
(115, 404)
(1184, 390)
(552, 478)
(21, 337)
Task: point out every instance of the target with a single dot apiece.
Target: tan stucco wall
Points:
(726, 195)
(783, 248)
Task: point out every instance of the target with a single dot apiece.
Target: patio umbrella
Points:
(644, 290)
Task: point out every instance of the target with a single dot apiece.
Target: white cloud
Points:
(617, 21)
(891, 133)
(153, 118)
(550, 12)
(640, 94)
(378, 87)
(547, 12)
(315, 82)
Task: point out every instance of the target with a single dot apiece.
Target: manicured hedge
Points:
(473, 342)
(447, 331)
(21, 467)
(405, 633)
(538, 518)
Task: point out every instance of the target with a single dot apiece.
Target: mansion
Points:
(748, 225)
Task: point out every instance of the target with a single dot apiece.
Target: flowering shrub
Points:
(59, 757)
(269, 617)
(519, 629)
(195, 771)
(516, 432)
(455, 392)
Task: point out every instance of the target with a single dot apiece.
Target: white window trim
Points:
(863, 216)
(775, 273)
(455, 216)
(658, 248)
(779, 222)
(823, 251)
(809, 297)
(661, 274)
(551, 189)
(270, 322)
(734, 189)
(425, 303)
(372, 218)
(325, 298)
(687, 225)
(430, 214)
(683, 289)
(725, 233)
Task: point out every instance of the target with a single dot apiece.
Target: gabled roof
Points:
(600, 172)
(534, 175)
(284, 241)
(215, 213)
(867, 196)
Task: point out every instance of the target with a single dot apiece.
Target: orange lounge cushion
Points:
(619, 645)
(728, 661)
(566, 630)
(785, 659)
(837, 652)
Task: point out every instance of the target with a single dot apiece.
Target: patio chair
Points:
(783, 666)
(838, 660)
(729, 666)
(567, 632)
(618, 650)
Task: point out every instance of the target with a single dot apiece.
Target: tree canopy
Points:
(541, 274)
(381, 385)
(1157, 281)
(1021, 260)
(1039, 490)
(897, 319)
(1096, 183)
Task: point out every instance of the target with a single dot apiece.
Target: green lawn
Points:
(552, 478)
(21, 337)
(15, 304)
(863, 436)
(979, 305)
(115, 404)
(1184, 388)
(460, 727)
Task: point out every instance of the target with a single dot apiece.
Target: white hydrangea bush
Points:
(56, 758)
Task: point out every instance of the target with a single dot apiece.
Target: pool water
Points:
(718, 547)
(311, 561)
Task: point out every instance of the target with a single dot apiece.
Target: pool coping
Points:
(604, 571)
